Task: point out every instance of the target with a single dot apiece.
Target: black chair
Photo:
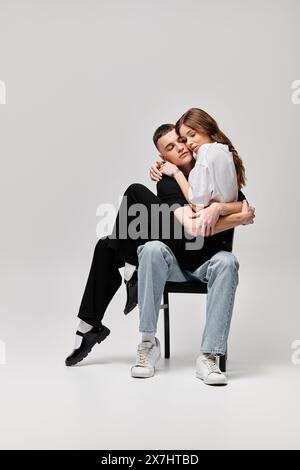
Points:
(190, 288)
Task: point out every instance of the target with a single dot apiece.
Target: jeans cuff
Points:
(214, 352)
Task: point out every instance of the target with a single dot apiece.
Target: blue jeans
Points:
(157, 265)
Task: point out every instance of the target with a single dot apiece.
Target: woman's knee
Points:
(135, 188)
(101, 244)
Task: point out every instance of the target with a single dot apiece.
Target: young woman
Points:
(218, 173)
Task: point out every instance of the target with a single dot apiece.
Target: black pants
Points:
(111, 253)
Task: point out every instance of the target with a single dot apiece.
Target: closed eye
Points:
(169, 147)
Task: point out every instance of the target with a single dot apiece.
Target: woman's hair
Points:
(200, 121)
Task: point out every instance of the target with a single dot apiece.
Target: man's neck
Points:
(187, 167)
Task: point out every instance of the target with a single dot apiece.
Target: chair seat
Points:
(186, 287)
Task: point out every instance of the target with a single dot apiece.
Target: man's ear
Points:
(161, 157)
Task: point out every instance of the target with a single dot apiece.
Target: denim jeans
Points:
(157, 265)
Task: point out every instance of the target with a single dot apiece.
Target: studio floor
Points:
(97, 405)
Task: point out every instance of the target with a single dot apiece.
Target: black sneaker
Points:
(132, 293)
(89, 339)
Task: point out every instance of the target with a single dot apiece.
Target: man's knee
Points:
(226, 260)
(154, 249)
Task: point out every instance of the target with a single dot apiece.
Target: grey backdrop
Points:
(87, 82)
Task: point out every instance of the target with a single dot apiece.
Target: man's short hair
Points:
(161, 131)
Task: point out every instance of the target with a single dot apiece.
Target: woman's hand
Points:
(168, 169)
(210, 216)
(198, 211)
(154, 172)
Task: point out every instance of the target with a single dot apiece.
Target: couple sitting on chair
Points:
(199, 177)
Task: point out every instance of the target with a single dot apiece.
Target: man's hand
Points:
(210, 216)
(168, 169)
(154, 172)
(247, 214)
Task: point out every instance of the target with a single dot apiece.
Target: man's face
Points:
(173, 150)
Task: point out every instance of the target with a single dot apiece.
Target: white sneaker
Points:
(207, 370)
(147, 356)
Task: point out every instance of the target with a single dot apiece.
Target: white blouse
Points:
(213, 176)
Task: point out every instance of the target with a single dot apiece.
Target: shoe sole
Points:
(104, 335)
(136, 376)
(207, 382)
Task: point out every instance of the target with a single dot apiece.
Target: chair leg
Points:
(223, 360)
(167, 325)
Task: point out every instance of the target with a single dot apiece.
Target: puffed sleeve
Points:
(222, 173)
(200, 191)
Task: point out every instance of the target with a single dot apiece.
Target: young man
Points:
(104, 278)
(213, 264)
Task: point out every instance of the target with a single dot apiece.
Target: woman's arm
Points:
(227, 208)
(211, 214)
(170, 169)
(185, 188)
(193, 226)
(245, 217)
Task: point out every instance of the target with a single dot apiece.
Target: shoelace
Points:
(211, 363)
(143, 354)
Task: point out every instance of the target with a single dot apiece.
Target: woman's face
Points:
(192, 138)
